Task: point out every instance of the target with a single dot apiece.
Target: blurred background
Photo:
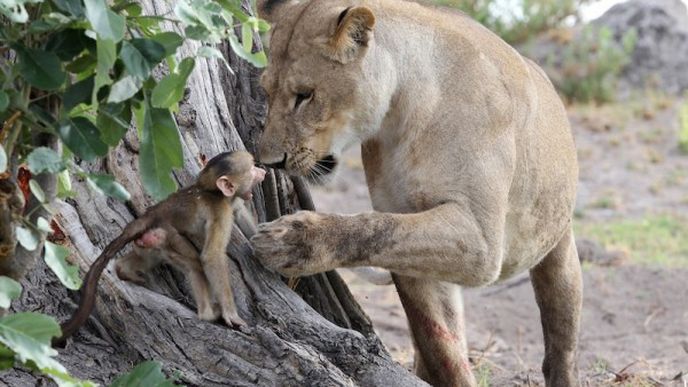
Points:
(621, 67)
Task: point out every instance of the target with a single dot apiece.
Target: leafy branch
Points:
(81, 71)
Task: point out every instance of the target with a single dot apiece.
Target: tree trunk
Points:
(325, 340)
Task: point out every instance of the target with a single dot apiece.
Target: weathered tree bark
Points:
(326, 341)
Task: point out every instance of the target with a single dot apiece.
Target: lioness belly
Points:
(530, 235)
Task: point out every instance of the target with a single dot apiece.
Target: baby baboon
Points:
(199, 217)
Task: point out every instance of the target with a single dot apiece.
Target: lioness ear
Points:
(354, 31)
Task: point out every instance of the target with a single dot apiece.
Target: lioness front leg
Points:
(435, 314)
(445, 243)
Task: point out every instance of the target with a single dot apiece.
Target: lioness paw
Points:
(291, 244)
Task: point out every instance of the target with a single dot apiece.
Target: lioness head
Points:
(318, 95)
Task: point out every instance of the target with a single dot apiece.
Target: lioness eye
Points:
(302, 97)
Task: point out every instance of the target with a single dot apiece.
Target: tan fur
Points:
(469, 160)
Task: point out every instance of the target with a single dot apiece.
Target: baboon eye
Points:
(302, 97)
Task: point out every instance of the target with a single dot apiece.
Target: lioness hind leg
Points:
(435, 313)
(559, 292)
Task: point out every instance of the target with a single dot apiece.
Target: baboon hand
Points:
(294, 245)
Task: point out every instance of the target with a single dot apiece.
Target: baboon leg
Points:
(559, 291)
(201, 293)
(435, 313)
(186, 258)
(217, 272)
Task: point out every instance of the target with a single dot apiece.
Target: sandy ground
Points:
(635, 318)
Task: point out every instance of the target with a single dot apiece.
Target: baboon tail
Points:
(88, 291)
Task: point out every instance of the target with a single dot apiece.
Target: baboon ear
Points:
(268, 9)
(354, 31)
(226, 186)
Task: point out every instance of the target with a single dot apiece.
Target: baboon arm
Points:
(216, 268)
(244, 219)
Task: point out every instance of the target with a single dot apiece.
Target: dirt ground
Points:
(635, 315)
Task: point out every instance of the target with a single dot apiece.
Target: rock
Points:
(660, 58)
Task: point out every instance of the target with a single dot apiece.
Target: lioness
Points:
(468, 156)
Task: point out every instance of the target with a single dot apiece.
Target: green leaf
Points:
(80, 92)
(82, 138)
(150, 24)
(106, 56)
(41, 69)
(6, 358)
(132, 9)
(36, 190)
(212, 52)
(64, 379)
(51, 22)
(44, 159)
(64, 185)
(83, 63)
(17, 13)
(73, 7)
(67, 44)
(134, 61)
(43, 225)
(107, 185)
(263, 26)
(107, 24)
(113, 121)
(4, 101)
(186, 13)
(170, 89)
(57, 19)
(199, 33)
(160, 152)
(257, 59)
(9, 290)
(29, 334)
(124, 89)
(15, 10)
(146, 374)
(140, 56)
(235, 9)
(56, 259)
(39, 327)
(247, 37)
(170, 41)
(28, 238)
(153, 51)
(3, 159)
